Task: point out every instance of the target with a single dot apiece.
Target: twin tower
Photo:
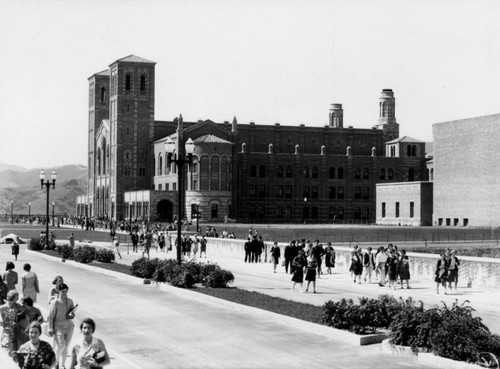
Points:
(386, 120)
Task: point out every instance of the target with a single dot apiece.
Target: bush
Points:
(218, 278)
(35, 244)
(144, 268)
(84, 254)
(65, 251)
(104, 255)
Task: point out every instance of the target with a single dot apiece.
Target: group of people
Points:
(22, 324)
(447, 271)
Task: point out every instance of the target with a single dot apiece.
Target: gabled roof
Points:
(210, 139)
(135, 59)
(405, 139)
(105, 72)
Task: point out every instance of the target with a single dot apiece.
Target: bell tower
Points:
(387, 115)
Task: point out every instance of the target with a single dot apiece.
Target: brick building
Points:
(247, 172)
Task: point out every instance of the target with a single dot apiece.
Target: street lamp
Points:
(304, 211)
(47, 183)
(53, 218)
(12, 211)
(183, 156)
(29, 212)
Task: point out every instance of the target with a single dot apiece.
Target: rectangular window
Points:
(357, 193)
(331, 192)
(279, 192)
(279, 212)
(448, 222)
(466, 222)
(331, 212)
(166, 187)
(314, 212)
(364, 212)
(412, 209)
(440, 221)
(252, 191)
(339, 212)
(262, 190)
(306, 191)
(314, 193)
(397, 210)
(383, 210)
(365, 193)
(159, 187)
(455, 222)
(288, 212)
(174, 186)
(215, 211)
(288, 192)
(340, 193)
(357, 212)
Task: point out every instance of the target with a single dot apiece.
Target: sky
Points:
(262, 61)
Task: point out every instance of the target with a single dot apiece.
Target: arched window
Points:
(390, 174)
(143, 83)
(408, 150)
(279, 172)
(104, 157)
(127, 82)
(414, 150)
(99, 161)
(315, 172)
(340, 173)
(411, 175)
(103, 95)
(366, 173)
(382, 173)
(306, 172)
(262, 171)
(332, 172)
(160, 165)
(357, 173)
(288, 172)
(393, 151)
(253, 171)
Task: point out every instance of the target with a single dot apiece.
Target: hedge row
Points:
(82, 254)
(451, 332)
(186, 274)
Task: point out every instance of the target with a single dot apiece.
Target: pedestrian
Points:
(356, 267)
(135, 240)
(10, 276)
(275, 255)
(288, 256)
(298, 265)
(368, 264)
(380, 262)
(248, 250)
(147, 244)
(60, 319)
(318, 252)
(30, 283)
(329, 252)
(161, 241)
(54, 291)
(116, 245)
(3, 291)
(90, 352)
(203, 247)
(312, 265)
(441, 273)
(71, 238)
(10, 313)
(15, 249)
(35, 353)
(392, 269)
(453, 264)
(196, 243)
(32, 313)
(404, 269)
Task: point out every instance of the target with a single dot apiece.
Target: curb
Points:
(322, 330)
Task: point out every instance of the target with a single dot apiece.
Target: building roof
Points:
(135, 59)
(208, 138)
(405, 139)
(105, 72)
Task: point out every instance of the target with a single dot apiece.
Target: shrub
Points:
(35, 244)
(144, 268)
(104, 255)
(65, 251)
(218, 278)
(84, 254)
(182, 279)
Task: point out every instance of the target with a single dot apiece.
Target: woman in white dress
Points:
(30, 283)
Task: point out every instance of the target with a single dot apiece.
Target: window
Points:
(382, 173)
(340, 173)
(143, 83)
(103, 95)
(448, 222)
(466, 222)
(315, 172)
(390, 174)
(383, 210)
(357, 173)
(412, 209)
(262, 171)
(279, 192)
(364, 212)
(365, 173)
(314, 212)
(160, 165)
(314, 192)
(127, 82)
(455, 222)
(408, 150)
(393, 151)
(167, 187)
(279, 212)
(332, 173)
(411, 175)
(288, 212)
(279, 172)
(214, 211)
(331, 212)
(261, 190)
(357, 212)
(174, 186)
(414, 150)
(357, 193)
(340, 193)
(397, 210)
(440, 221)
(252, 191)
(331, 192)
(253, 171)
(288, 172)
(306, 191)
(305, 212)
(288, 192)
(365, 193)
(306, 172)
(160, 187)
(339, 212)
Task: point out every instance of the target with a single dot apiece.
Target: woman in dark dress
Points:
(298, 265)
(312, 265)
(35, 353)
(404, 269)
(441, 273)
(356, 267)
(329, 258)
(392, 269)
(275, 255)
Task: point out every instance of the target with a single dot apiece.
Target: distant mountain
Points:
(23, 186)
(4, 166)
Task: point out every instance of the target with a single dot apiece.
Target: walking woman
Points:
(404, 269)
(312, 265)
(30, 283)
(35, 353)
(10, 313)
(441, 273)
(90, 352)
(275, 254)
(329, 258)
(356, 268)
(54, 291)
(298, 265)
(10, 276)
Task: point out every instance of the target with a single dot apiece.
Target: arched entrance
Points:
(164, 209)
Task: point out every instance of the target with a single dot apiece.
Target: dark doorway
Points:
(164, 209)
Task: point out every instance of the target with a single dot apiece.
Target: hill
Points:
(23, 186)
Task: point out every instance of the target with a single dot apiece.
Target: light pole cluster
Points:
(12, 211)
(48, 183)
(184, 155)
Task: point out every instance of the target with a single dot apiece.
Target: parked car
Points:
(8, 239)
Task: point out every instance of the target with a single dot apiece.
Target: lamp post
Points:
(53, 217)
(304, 211)
(12, 211)
(183, 156)
(29, 212)
(47, 183)
(198, 214)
